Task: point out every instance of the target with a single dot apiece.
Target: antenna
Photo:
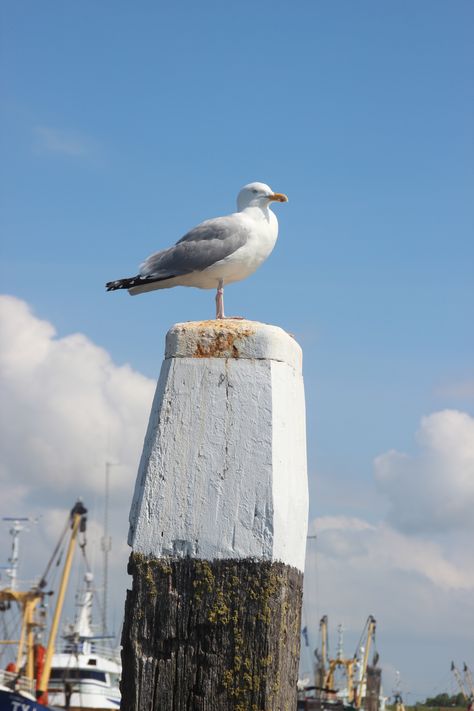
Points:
(106, 546)
(15, 530)
(340, 642)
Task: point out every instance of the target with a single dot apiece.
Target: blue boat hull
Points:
(11, 701)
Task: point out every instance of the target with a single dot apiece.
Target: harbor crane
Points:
(459, 680)
(468, 681)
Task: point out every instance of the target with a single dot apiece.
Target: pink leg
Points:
(220, 304)
(220, 300)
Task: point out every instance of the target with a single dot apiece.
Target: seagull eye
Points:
(254, 190)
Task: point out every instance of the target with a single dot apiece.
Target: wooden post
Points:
(218, 526)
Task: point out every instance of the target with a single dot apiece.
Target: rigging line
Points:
(60, 556)
(42, 581)
(317, 587)
(10, 630)
(55, 571)
(6, 634)
(375, 651)
(362, 637)
(307, 640)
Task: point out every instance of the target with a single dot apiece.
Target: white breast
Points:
(244, 261)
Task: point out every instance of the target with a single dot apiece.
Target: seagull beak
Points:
(279, 197)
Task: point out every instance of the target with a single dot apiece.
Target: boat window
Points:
(70, 674)
(92, 662)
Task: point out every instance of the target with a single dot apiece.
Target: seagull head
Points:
(258, 195)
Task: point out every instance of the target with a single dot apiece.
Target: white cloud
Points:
(420, 592)
(66, 409)
(62, 142)
(433, 490)
(414, 571)
(383, 547)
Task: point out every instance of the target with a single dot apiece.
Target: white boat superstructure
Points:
(84, 681)
(84, 673)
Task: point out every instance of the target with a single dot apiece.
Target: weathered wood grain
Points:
(211, 636)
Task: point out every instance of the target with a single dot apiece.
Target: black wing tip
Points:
(123, 283)
(130, 282)
(136, 281)
(113, 285)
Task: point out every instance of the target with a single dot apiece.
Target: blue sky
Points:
(124, 125)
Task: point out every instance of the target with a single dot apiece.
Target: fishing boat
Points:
(81, 673)
(85, 669)
(344, 683)
(465, 683)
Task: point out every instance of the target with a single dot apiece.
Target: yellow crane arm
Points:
(363, 677)
(77, 514)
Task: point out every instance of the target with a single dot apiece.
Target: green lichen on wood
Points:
(263, 593)
(235, 620)
(204, 577)
(153, 571)
(220, 611)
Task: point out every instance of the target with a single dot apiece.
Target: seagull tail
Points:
(139, 284)
(126, 283)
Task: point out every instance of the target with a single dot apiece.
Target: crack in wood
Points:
(211, 636)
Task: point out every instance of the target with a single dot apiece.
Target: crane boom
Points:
(323, 626)
(468, 679)
(77, 523)
(358, 696)
(459, 680)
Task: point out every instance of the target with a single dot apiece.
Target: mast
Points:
(340, 642)
(321, 655)
(15, 531)
(79, 634)
(338, 661)
(363, 675)
(27, 600)
(106, 545)
(78, 520)
(397, 694)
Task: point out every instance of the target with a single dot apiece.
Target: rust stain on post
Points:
(219, 340)
(222, 344)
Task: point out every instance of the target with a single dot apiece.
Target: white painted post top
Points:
(223, 469)
(232, 338)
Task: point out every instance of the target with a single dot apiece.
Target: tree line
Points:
(444, 700)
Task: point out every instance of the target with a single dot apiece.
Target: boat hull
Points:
(11, 701)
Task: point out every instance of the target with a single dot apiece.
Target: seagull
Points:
(216, 252)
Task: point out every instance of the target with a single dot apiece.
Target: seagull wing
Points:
(204, 245)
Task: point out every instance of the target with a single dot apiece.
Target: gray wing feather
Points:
(201, 247)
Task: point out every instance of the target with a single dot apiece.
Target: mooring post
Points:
(218, 526)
